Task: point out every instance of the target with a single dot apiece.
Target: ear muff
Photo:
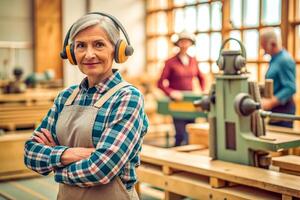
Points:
(68, 50)
(122, 49)
(70, 54)
(240, 60)
(220, 62)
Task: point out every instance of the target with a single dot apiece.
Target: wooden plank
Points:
(198, 133)
(216, 182)
(288, 162)
(25, 110)
(189, 148)
(12, 156)
(273, 137)
(48, 33)
(30, 95)
(289, 172)
(241, 174)
(197, 187)
(204, 152)
(283, 130)
(287, 197)
(172, 196)
(152, 175)
(26, 173)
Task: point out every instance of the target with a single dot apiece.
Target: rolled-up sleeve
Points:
(39, 157)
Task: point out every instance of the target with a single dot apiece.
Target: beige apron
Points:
(74, 129)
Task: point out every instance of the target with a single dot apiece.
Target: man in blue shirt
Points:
(283, 71)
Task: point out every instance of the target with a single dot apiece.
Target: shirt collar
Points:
(103, 86)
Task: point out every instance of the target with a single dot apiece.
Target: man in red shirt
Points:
(179, 72)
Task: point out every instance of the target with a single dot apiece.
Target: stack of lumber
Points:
(25, 109)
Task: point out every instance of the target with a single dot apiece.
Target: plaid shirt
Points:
(117, 136)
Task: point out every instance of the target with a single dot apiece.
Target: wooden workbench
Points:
(30, 96)
(25, 109)
(182, 174)
(12, 156)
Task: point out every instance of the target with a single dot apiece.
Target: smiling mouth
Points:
(91, 63)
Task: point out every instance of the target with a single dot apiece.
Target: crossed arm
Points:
(70, 155)
(119, 142)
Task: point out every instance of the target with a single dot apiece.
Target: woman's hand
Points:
(76, 154)
(44, 137)
(176, 95)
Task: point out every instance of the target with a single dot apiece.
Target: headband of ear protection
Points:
(122, 49)
(240, 60)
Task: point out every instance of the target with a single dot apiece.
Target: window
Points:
(293, 43)
(203, 18)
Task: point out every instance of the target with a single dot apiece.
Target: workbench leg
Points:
(216, 183)
(286, 197)
(137, 188)
(167, 139)
(172, 196)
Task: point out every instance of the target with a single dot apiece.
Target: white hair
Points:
(270, 35)
(104, 22)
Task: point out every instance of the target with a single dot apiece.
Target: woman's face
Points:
(94, 53)
(184, 45)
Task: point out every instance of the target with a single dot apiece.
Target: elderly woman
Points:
(92, 135)
(179, 72)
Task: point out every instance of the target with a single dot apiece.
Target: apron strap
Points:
(72, 96)
(109, 93)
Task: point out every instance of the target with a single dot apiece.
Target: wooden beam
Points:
(226, 25)
(284, 22)
(48, 36)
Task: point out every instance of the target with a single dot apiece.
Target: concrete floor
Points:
(43, 188)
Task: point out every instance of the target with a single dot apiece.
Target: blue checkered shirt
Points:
(117, 136)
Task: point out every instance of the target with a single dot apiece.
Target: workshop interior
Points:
(209, 108)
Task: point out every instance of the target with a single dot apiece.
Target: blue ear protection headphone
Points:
(123, 49)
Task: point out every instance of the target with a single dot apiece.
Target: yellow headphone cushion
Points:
(69, 55)
(120, 51)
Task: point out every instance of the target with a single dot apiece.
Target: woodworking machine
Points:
(237, 127)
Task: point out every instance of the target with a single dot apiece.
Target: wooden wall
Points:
(48, 36)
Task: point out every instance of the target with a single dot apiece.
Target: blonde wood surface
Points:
(198, 133)
(30, 95)
(48, 36)
(189, 148)
(241, 174)
(273, 136)
(216, 182)
(151, 174)
(288, 162)
(25, 109)
(15, 116)
(12, 156)
(172, 196)
(289, 171)
(286, 197)
(197, 186)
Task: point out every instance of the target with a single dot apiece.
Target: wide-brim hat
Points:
(183, 35)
